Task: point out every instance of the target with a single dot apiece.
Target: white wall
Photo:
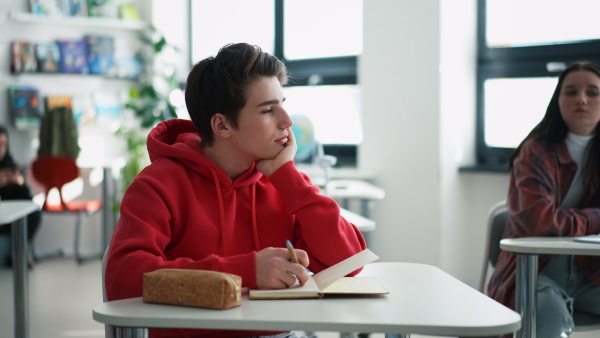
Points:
(418, 77)
(465, 197)
(399, 75)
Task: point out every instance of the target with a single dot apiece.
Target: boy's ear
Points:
(220, 126)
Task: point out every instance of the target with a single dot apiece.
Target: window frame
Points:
(516, 62)
(331, 70)
(318, 71)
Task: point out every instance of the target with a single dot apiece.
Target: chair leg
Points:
(77, 234)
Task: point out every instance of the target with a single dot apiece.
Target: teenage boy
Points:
(222, 192)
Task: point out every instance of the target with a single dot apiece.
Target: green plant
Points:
(148, 100)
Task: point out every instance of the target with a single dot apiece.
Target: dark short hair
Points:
(219, 84)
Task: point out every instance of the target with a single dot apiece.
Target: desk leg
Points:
(20, 278)
(131, 332)
(109, 189)
(526, 294)
(365, 206)
(106, 207)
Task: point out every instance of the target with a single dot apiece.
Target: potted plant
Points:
(148, 100)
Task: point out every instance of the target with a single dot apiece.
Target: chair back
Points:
(496, 223)
(109, 331)
(54, 172)
(498, 219)
(104, 257)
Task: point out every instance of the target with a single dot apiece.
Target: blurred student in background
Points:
(555, 191)
(13, 186)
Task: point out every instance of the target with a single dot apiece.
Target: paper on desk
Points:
(330, 280)
(588, 239)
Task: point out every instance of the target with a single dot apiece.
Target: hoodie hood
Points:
(179, 140)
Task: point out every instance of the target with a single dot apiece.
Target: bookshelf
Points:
(78, 21)
(85, 86)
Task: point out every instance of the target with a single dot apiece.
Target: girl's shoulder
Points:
(538, 150)
(538, 145)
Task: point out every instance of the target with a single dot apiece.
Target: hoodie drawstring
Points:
(222, 214)
(254, 227)
(221, 210)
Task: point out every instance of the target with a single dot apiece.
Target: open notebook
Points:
(330, 281)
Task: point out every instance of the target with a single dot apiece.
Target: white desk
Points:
(422, 300)
(362, 223)
(15, 212)
(354, 189)
(527, 250)
(346, 189)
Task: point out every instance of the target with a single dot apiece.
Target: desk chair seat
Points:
(88, 206)
(496, 223)
(53, 172)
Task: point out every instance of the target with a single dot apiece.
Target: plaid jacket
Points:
(541, 176)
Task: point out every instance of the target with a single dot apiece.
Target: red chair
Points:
(54, 172)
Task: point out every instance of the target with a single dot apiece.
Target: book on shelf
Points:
(330, 281)
(57, 101)
(23, 58)
(100, 58)
(109, 107)
(48, 57)
(129, 11)
(84, 110)
(24, 103)
(76, 8)
(103, 9)
(129, 65)
(73, 56)
(48, 7)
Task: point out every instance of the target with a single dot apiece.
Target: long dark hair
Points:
(553, 128)
(7, 161)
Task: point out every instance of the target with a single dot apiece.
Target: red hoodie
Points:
(183, 211)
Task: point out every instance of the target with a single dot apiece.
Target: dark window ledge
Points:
(484, 167)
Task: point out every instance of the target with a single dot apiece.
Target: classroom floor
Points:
(62, 295)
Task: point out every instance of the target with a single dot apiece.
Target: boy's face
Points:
(261, 131)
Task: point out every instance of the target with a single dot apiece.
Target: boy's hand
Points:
(268, 167)
(274, 269)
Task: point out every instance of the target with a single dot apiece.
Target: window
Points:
(318, 40)
(215, 23)
(523, 47)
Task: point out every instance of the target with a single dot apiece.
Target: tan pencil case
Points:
(196, 288)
